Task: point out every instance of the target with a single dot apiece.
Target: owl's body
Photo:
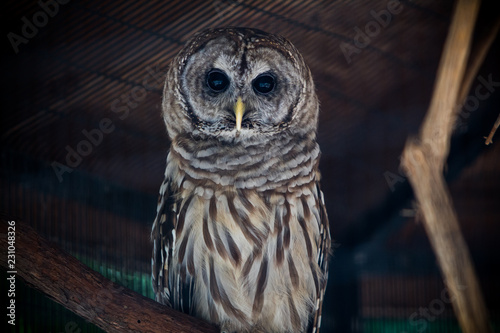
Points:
(241, 236)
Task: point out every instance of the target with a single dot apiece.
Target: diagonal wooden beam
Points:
(424, 158)
(85, 292)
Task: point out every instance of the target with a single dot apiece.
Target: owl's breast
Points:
(243, 252)
(282, 164)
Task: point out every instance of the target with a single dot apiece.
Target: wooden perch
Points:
(424, 158)
(67, 281)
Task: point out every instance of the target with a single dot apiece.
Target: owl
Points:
(241, 236)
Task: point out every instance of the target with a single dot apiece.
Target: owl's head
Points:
(236, 84)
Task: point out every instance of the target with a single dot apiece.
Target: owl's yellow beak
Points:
(239, 110)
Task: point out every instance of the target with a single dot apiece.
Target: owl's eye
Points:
(217, 80)
(264, 84)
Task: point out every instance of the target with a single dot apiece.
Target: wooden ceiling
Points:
(85, 66)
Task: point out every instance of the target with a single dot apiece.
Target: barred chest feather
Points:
(245, 253)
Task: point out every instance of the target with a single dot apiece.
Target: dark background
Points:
(87, 59)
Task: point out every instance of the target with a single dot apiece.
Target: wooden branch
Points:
(477, 56)
(98, 300)
(424, 159)
(438, 123)
(489, 139)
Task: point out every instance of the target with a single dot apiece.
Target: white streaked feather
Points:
(173, 241)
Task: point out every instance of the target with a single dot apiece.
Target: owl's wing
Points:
(323, 256)
(171, 284)
(163, 243)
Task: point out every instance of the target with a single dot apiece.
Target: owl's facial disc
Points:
(240, 88)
